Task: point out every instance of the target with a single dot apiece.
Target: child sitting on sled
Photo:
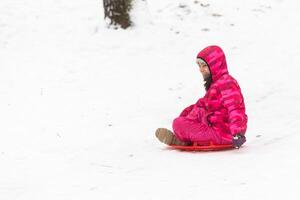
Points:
(217, 118)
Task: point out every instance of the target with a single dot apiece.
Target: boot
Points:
(167, 137)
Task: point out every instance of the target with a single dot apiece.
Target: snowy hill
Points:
(80, 102)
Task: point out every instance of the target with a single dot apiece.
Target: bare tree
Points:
(117, 12)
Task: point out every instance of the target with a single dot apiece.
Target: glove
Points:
(238, 140)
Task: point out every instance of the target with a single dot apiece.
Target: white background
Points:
(79, 103)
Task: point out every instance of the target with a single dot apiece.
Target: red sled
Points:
(210, 147)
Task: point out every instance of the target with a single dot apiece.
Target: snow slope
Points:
(80, 102)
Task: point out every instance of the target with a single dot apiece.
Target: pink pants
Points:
(189, 130)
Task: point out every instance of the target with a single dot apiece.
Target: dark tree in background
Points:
(117, 12)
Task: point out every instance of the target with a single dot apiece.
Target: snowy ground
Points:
(80, 102)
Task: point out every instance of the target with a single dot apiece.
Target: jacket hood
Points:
(216, 61)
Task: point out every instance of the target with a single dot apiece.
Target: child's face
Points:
(203, 68)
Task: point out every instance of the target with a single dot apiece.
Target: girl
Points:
(219, 117)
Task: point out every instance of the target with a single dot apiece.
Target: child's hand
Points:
(238, 140)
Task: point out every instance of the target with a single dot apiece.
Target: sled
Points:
(210, 147)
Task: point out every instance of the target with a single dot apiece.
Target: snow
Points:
(80, 102)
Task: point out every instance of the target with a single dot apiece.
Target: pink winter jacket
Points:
(223, 103)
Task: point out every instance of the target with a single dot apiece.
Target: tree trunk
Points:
(117, 12)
